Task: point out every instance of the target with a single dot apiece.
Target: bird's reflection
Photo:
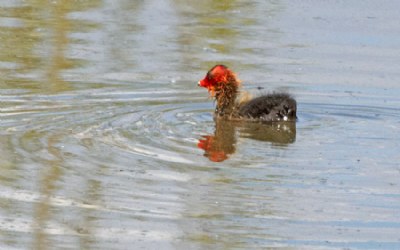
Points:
(219, 146)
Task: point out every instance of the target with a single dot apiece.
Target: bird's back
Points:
(271, 107)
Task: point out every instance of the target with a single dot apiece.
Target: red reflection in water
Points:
(222, 144)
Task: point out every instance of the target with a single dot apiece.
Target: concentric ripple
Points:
(167, 131)
(142, 156)
(84, 144)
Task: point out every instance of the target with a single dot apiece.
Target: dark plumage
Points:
(271, 107)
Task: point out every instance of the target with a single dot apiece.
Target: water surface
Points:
(103, 129)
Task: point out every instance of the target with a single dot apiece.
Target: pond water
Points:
(108, 143)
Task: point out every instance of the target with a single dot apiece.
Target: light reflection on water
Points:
(101, 123)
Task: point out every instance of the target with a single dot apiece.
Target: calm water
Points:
(107, 142)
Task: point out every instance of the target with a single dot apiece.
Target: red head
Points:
(217, 78)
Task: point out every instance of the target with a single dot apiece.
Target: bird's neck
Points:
(226, 99)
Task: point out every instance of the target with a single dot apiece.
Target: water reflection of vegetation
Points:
(34, 54)
(213, 29)
(34, 47)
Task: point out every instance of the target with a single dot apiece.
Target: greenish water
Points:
(102, 123)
